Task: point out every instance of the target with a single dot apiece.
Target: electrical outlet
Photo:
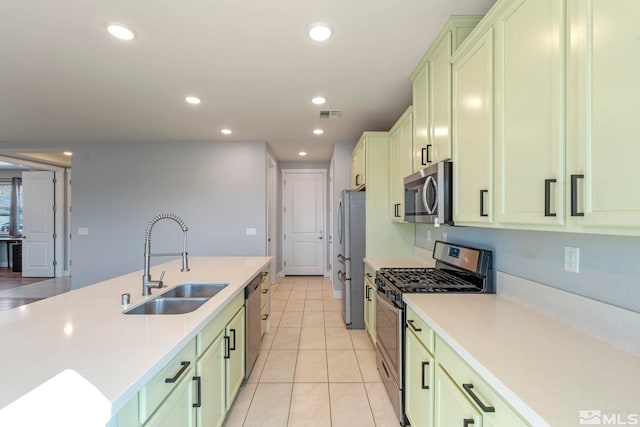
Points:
(572, 259)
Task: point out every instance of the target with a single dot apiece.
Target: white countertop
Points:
(544, 369)
(85, 330)
(378, 263)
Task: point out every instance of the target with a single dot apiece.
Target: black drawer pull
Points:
(233, 346)
(265, 316)
(468, 422)
(366, 292)
(198, 403)
(174, 378)
(411, 323)
(547, 197)
(424, 386)
(574, 195)
(227, 349)
(482, 193)
(469, 389)
(357, 180)
(264, 291)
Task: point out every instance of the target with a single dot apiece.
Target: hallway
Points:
(312, 371)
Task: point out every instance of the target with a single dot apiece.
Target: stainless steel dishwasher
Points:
(253, 322)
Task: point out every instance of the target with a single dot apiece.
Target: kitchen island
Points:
(86, 331)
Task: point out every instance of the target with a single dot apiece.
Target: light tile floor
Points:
(311, 370)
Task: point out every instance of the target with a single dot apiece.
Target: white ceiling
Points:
(63, 78)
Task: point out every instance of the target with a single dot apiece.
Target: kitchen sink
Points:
(168, 306)
(194, 290)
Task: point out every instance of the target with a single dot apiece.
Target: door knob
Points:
(320, 237)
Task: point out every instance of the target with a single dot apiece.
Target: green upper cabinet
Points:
(400, 165)
(432, 94)
(472, 132)
(602, 109)
(529, 126)
(358, 165)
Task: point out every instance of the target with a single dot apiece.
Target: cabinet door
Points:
(177, 409)
(394, 176)
(421, 119)
(358, 165)
(441, 101)
(418, 382)
(529, 78)
(236, 351)
(473, 134)
(603, 111)
(211, 370)
(370, 308)
(452, 408)
(406, 147)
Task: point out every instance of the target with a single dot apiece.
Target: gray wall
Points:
(217, 188)
(341, 181)
(295, 165)
(609, 265)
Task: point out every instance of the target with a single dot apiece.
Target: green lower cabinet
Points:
(235, 361)
(452, 408)
(418, 383)
(211, 368)
(177, 409)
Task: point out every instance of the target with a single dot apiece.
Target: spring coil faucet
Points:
(147, 282)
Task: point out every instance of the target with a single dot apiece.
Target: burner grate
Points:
(431, 280)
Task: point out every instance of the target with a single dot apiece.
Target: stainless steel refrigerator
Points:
(351, 235)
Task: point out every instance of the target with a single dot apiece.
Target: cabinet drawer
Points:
(369, 274)
(217, 325)
(156, 390)
(476, 389)
(420, 328)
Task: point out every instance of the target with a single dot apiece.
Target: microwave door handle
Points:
(430, 209)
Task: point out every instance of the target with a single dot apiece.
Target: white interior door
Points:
(38, 217)
(303, 222)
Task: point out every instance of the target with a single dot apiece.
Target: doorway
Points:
(304, 221)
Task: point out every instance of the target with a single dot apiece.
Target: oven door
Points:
(389, 334)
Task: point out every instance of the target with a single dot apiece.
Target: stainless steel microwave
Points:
(428, 195)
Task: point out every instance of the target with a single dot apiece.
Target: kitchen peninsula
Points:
(86, 331)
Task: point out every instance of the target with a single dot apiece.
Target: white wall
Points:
(609, 265)
(217, 188)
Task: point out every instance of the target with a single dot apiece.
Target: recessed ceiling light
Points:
(302, 153)
(120, 31)
(226, 131)
(320, 32)
(319, 100)
(193, 100)
(318, 131)
(67, 153)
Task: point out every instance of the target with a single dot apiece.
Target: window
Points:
(5, 207)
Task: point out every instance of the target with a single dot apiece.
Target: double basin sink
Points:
(182, 299)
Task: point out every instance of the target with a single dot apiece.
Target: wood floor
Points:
(11, 280)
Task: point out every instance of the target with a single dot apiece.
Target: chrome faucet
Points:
(147, 282)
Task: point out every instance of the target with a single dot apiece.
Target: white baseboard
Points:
(615, 325)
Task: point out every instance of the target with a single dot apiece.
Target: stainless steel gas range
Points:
(458, 269)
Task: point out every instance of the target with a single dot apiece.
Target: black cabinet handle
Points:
(357, 181)
(265, 317)
(574, 195)
(198, 403)
(367, 288)
(547, 197)
(468, 422)
(469, 389)
(425, 160)
(424, 386)
(227, 348)
(482, 193)
(411, 323)
(396, 210)
(264, 274)
(369, 275)
(233, 346)
(178, 374)
(264, 291)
